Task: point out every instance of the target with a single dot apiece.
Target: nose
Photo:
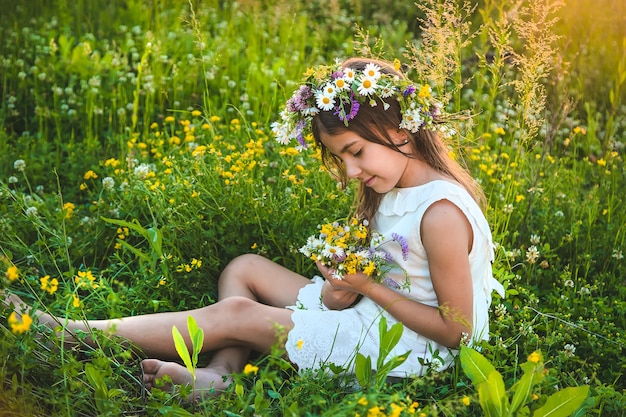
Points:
(352, 169)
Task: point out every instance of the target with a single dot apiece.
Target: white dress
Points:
(323, 336)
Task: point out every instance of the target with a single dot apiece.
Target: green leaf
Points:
(197, 339)
(388, 339)
(181, 348)
(363, 370)
(563, 403)
(523, 390)
(476, 366)
(492, 395)
(134, 225)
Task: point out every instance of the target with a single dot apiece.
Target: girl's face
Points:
(376, 166)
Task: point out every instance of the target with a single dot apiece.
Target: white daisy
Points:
(341, 84)
(349, 75)
(372, 71)
(333, 252)
(330, 90)
(324, 101)
(367, 86)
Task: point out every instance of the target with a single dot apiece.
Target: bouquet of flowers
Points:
(349, 247)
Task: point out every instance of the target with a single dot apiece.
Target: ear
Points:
(400, 137)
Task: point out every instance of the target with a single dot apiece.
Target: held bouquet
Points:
(348, 248)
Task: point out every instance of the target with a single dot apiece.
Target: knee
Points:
(235, 305)
(241, 267)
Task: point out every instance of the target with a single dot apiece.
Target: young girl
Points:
(375, 126)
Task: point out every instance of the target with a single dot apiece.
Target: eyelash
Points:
(357, 153)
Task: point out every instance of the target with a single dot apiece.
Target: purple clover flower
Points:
(336, 74)
(298, 100)
(403, 245)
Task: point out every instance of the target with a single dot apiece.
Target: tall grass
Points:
(148, 165)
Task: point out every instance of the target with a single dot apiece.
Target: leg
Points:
(249, 276)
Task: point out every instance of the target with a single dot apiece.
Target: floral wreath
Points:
(344, 90)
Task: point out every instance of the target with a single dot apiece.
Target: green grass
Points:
(149, 162)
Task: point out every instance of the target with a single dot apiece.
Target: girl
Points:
(375, 126)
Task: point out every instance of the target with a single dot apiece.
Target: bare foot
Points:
(209, 381)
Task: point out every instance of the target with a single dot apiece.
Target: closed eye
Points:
(358, 153)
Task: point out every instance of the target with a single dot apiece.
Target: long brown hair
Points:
(374, 124)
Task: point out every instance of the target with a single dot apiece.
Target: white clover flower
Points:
(19, 165)
(532, 254)
(108, 183)
(31, 211)
(617, 254)
(569, 350)
(13, 180)
(569, 283)
(500, 310)
(508, 208)
(143, 170)
(559, 213)
(535, 239)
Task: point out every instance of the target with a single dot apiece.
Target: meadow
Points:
(136, 160)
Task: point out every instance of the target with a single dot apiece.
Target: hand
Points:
(358, 283)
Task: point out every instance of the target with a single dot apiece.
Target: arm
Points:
(447, 236)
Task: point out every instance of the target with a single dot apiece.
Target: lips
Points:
(369, 181)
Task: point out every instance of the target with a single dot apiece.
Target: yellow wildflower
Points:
(424, 91)
(396, 410)
(75, 301)
(299, 344)
(12, 273)
(85, 279)
(465, 400)
(199, 151)
(19, 326)
(362, 401)
(90, 175)
(374, 411)
(49, 285)
(370, 269)
(534, 357)
(169, 119)
(519, 198)
(499, 131)
(250, 369)
(68, 208)
(196, 113)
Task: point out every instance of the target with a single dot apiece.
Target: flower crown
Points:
(344, 90)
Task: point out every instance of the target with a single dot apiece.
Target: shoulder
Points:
(444, 223)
